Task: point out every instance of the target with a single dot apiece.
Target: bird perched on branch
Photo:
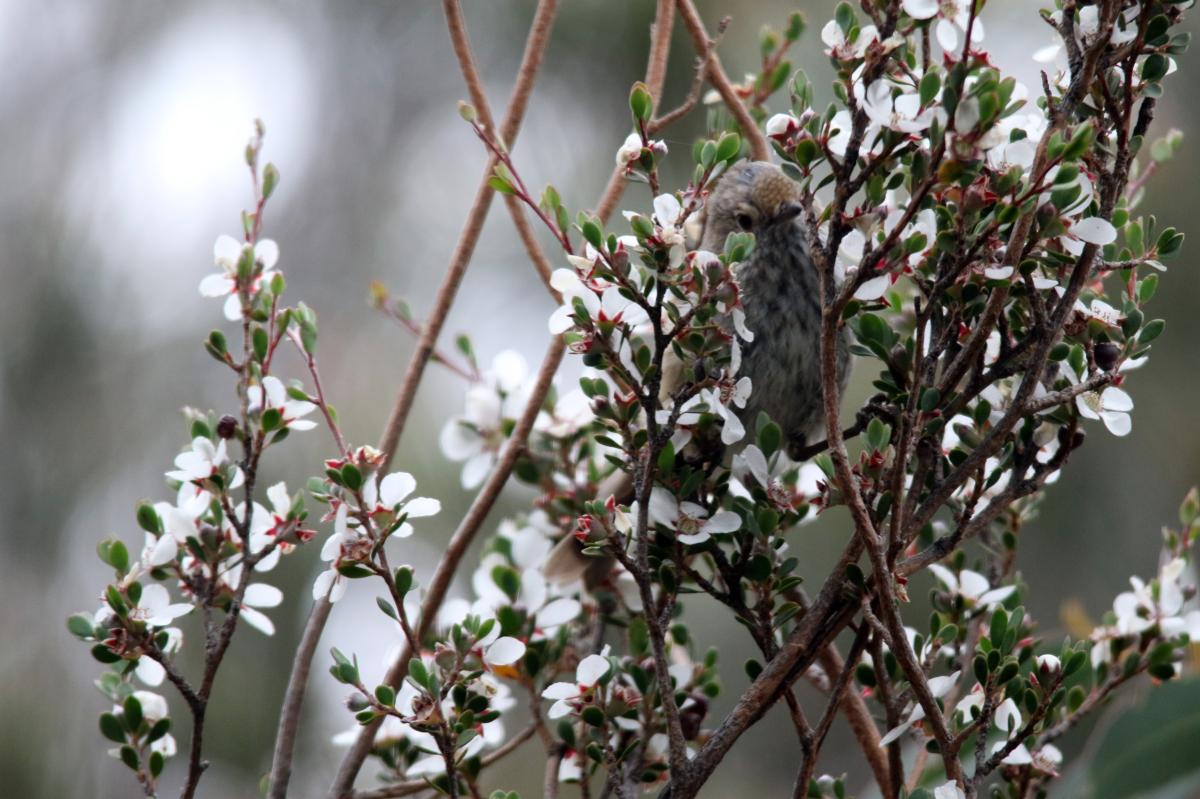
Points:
(780, 290)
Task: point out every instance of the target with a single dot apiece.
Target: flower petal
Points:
(1094, 230)
(421, 507)
(921, 9)
(504, 651)
(262, 595)
(592, 669)
(395, 488)
(723, 521)
(558, 612)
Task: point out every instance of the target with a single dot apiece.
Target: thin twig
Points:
(535, 47)
(759, 151)
(455, 550)
(289, 719)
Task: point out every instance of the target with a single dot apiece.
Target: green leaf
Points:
(844, 15)
(386, 607)
(930, 84)
(1154, 67)
(385, 694)
(80, 625)
(501, 185)
(508, 580)
(270, 180)
(1150, 746)
(770, 437)
(640, 102)
(261, 343)
(147, 518)
(113, 552)
(111, 728)
(133, 712)
(728, 147)
(404, 579)
(878, 434)
(352, 477)
(1151, 331)
(592, 715)
(666, 459)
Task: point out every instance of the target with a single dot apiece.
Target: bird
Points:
(780, 292)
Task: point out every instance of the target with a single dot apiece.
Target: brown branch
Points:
(759, 151)
(660, 47)
(858, 717)
(455, 550)
(535, 47)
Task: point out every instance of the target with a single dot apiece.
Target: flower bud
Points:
(1048, 666)
(1107, 355)
(226, 426)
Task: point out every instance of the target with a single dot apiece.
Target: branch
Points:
(289, 718)
(455, 550)
(759, 151)
(535, 47)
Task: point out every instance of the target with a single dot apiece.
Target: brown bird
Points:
(780, 291)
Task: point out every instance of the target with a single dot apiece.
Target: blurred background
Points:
(124, 124)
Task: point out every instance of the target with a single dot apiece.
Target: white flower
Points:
(390, 494)
(1048, 759)
(782, 125)
(939, 687)
(1101, 311)
(972, 586)
(150, 671)
(952, 20)
(1112, 406)
(1007, 718)
(690, 521)
(330, 582)
(901, 112)
(841, 48)
(590, 671)
(840, 126)
(273, 394)
(475, 437)
(1049, 663)
(155, 609)
(631, 149)
(949, 789)
(724, 402)
(154, 706)
(604, 305)
(1142, 608)
(226, 253)
(203, 461)
(1019, 756)
(548, 612)
(529, 542)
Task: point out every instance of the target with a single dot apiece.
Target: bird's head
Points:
(754, 196)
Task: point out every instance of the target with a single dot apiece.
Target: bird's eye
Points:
(745, 221)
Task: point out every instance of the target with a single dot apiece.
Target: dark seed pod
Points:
(1107, 355)
(226, 426)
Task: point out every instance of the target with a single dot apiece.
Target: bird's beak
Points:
(787, 212)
